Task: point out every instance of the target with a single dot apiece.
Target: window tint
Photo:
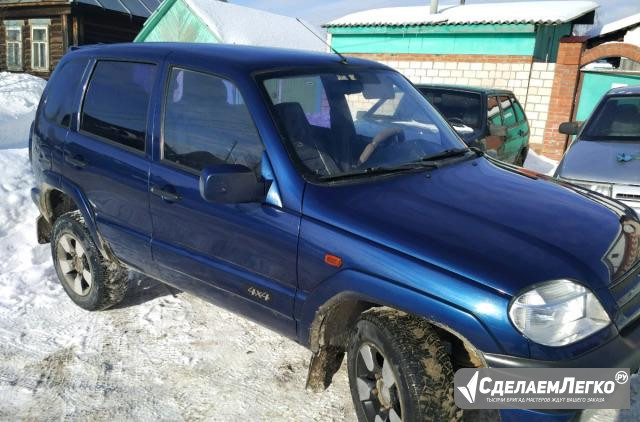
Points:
(116, 103)
(457, 107)
(518, 110)
(508, 115)
(206, 122)
(58, 106)
(493, 109)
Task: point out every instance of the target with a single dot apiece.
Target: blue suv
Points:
(248, 177)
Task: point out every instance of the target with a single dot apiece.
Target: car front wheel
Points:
(399, 370)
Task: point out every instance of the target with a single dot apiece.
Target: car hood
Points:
(495, 224)
(598, 162)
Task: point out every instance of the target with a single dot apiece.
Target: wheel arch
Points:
(63, 196)
(334, 315)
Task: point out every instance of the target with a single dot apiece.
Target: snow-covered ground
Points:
(19, 96)
(160, 355)
(540, 163)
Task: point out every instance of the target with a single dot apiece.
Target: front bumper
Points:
(621, 352)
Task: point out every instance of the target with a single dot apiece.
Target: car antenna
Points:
(343, 59)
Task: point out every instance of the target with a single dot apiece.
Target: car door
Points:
(516, 133)
(494, 143)
(105, 156)
(241, 256)
(524, 130)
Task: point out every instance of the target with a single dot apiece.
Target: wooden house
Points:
(34, 35)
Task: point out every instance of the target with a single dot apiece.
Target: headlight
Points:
(558, 313)
(602, 188)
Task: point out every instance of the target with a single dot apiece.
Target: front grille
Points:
(628, 197)
(626, 292)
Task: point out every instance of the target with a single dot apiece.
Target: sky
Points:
(319, 12)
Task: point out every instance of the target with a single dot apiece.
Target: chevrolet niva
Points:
(247, 176)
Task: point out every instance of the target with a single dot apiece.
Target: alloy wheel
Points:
(377, 386)
(74, 264)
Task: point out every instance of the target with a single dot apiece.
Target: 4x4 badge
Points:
(260, 294)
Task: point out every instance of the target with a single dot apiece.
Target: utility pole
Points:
(434, 7)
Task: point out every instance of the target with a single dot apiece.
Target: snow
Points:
(617, 25)
(234, 24)
(514, 12)
(540, 163)
(159, 355)
(19, 97)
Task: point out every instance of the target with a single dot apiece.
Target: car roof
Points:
(245, 58)
(465, 88)
(625, 90)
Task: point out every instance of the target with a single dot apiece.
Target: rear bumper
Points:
(35, 196)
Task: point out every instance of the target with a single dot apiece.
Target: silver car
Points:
(605, 155)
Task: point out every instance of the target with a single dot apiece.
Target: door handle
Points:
(76, 161)
(165, 195)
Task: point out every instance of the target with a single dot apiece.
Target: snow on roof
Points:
(547, 12)
(617, 25)
(234, 24)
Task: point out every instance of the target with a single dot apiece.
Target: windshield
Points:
(345, 123)
(615, 120)
(458, 107)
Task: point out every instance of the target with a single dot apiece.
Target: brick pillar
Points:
(563, 94)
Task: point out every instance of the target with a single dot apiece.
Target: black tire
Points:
(418, 360)
(108, 281)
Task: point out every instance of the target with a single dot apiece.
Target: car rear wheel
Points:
(399, 370)
(91, 281)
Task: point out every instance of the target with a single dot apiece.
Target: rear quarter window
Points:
(60, 102)
(117, 101)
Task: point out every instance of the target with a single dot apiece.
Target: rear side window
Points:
(206, 122)
(116, 103)
(61, 96)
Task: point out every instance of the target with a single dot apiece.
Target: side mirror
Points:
(497, 130)
(570, 128)
(360, 114)
(230, 184)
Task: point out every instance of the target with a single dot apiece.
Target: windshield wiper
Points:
(447, 153)
(377, 171)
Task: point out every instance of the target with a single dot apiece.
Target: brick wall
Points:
(563, 95)
(537, 101)
(530, 82)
